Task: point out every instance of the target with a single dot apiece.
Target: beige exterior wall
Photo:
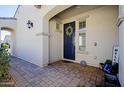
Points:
(50, 11)
(55, 41)
(101, 28)
(28, 45)
(32, 44)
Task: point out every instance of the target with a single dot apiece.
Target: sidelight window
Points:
(82, 35)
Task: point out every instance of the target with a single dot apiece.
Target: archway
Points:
(7, 36)
(46, 31)
(9, 24)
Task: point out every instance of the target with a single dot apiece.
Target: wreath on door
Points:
(69, 31)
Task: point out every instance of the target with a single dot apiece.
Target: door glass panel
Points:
(82, 41)
(82, 36)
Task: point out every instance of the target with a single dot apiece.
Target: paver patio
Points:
(58, 74)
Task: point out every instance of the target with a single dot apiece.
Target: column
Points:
(121, 44)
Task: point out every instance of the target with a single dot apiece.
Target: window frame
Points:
(81, 31)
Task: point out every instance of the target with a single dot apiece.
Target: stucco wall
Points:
(50, 11)
(28, 44)
(55, 42)
(33, 44)
(101, 28)
(121, 47)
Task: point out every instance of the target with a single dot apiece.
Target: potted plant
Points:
(5, 77)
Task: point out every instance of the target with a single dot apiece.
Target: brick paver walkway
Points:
(58, 74)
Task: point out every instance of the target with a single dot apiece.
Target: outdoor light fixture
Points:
(30, 24)
(38, 6)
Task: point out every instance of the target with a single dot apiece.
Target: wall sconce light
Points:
(38, 6)
(30, 24)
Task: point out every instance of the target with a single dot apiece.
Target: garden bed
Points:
(10, 82)
(6, 79)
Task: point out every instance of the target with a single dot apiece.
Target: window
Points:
(82, 43)
(82, 36)
(82, 25)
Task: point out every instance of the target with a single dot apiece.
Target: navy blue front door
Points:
(69, 40)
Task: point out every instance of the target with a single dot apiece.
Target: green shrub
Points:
(5, 45)
(4, 63)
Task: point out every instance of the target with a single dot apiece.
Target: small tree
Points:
(4, 62)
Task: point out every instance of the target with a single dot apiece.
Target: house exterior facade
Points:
(36, 41)
(40, 34)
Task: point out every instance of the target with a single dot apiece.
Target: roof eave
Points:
(16, 11)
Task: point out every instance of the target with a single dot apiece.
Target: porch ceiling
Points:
(75, 10)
